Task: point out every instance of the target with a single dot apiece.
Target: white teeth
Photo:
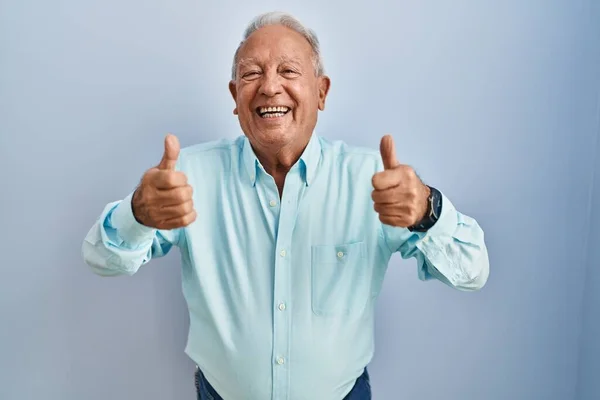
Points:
(273, 115)
(279, 109)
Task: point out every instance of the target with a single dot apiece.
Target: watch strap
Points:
(434, 209)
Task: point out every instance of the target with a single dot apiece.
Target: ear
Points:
(324, 84)
(233, 90)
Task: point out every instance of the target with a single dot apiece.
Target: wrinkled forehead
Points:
(275, 44)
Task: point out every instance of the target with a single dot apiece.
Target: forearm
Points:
(118, 245)
(452, 251)
(464, 266)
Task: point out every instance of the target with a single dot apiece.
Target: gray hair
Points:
(287, 20)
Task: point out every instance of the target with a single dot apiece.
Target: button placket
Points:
(288, 208)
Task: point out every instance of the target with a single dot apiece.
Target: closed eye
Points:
(250, 75)
(289, 72)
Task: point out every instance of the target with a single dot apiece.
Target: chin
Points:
(275, 136)
(273, 133)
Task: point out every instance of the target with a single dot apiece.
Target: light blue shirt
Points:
(281, 292)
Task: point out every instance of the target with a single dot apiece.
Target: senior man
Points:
(284, 236)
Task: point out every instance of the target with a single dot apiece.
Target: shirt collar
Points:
(309, 159)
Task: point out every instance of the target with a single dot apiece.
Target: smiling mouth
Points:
(272, 112)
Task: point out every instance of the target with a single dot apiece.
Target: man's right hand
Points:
(163, 200)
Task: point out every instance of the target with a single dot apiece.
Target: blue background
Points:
(495, 103)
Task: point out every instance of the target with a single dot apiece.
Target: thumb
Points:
(169, 158)
(388, 152)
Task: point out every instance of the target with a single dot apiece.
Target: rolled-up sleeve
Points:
(452, 251)
(117, 244)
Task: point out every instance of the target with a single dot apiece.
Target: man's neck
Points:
(281, 160)
(277, 163)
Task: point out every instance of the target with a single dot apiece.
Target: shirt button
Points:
(282, 254)
(280, 360)
(272, 203)
(282, 306)
(340, 254)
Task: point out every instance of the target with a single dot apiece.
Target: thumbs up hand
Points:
(163, 200)
(171, 153)
(399, 195)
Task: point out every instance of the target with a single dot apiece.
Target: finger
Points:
(388, 152)
(401, 194)
(394, 221)
(388, 196)
(399, 210)
(390, 209)
(174, 197)
(167, 179)
(401, 175)
(176, 210)
(387, 179)
(171, 153)
(179, 222)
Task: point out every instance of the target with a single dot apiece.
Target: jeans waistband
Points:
(360, 391)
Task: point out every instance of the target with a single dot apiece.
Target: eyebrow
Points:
(252, 60)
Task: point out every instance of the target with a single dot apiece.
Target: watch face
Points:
(431, 206)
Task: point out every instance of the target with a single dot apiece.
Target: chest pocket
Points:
(340, 279)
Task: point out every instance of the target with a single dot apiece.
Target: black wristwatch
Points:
(434, 209)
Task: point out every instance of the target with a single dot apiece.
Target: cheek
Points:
(244, 98)
(304, 97)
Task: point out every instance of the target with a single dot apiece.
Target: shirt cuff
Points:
(433, 244)
(128, 228)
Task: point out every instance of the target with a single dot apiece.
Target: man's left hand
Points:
(399, 195)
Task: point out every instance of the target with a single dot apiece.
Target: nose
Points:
(271, 84)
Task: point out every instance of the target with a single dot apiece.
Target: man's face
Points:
(277, 92)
